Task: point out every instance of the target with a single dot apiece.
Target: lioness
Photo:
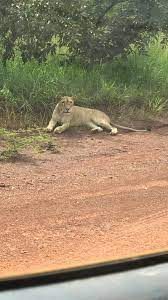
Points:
(69, 115)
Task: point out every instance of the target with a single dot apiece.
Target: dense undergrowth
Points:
(28, 92)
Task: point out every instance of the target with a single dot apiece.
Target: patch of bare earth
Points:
(101, 198)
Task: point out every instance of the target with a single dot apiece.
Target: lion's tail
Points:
(130, 129)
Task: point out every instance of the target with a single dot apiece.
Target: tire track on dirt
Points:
(106, 191)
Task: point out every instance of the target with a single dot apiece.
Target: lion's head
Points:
(65, 104)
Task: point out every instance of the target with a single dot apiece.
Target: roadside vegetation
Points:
(29, 91)
(14, 145)
(108, 54)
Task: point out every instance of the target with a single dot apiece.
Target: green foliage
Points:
(14, 142)
(92, 30)
(139, 80)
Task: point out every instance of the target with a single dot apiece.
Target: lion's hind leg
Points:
(106, 125)
(94, 127)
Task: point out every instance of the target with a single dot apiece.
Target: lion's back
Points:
(82, 116)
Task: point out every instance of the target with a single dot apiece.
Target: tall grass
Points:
(138, 81)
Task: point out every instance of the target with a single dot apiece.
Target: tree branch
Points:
(109, 7)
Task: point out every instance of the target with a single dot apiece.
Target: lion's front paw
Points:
(48, 129)
(57, 130)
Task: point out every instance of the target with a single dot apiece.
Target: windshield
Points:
(83, 132)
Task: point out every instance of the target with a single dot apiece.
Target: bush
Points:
(139, 80)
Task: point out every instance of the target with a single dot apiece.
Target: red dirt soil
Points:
(101, 198)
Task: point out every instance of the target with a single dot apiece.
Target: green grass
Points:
(14, 143)
(28, 92)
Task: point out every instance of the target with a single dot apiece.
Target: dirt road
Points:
(101, 198)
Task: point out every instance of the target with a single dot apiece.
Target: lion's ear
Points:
(74, 98)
